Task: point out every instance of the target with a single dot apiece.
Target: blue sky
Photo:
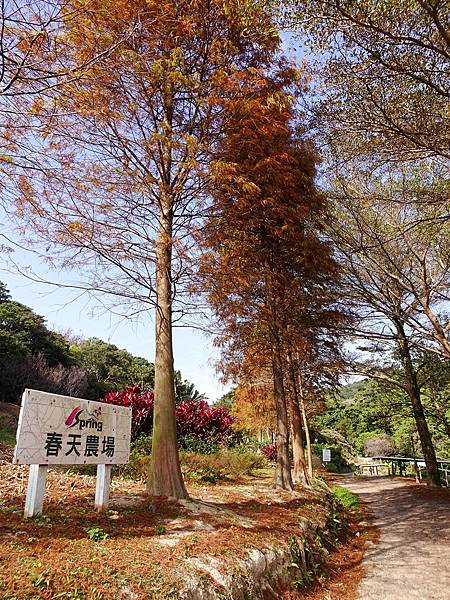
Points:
(65, 310)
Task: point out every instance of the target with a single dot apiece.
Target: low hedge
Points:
(209, 468)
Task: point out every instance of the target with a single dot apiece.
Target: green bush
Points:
(136, 468)
(90, 470)
(224, 464)
(331, 467)
(141, 446)
(209, 468)
(96, 534)
(139, 461)
(194, 444)
(7, 433)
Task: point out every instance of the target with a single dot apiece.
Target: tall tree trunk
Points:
(299, 472)
(413, 389)
(165, 473)
(283, 477)
(301, 398)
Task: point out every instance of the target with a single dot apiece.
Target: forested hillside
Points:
(33, 356)
(371, 410)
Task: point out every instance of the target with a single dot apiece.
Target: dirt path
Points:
(412, 559)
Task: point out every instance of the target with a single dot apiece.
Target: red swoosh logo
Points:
(71, 418)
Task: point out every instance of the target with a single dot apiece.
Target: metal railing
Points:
(402, 465)
(445, 476)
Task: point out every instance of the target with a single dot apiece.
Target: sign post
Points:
(36, 490)
(60, 430)
(326, 455)
(102, 487)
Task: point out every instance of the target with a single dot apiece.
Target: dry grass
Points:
(150, 541)
(208, 468)
(225, 464)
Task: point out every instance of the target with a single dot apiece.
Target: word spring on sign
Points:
(57, 429)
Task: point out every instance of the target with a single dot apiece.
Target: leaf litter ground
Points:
(146, 547)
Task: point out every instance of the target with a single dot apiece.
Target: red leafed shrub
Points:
(141, 402)
(195, 418)
(210, 424)
(270, 451)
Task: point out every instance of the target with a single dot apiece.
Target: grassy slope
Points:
(9, 415)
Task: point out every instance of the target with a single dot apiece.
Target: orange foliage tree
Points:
(253, 408)
(125, 181)
(266, 268)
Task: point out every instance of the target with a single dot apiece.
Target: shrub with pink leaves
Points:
(202, 427)
(270, 452)
(141, 403)
(199, 426)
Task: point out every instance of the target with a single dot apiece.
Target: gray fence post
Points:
(36, 489)
(102, 486)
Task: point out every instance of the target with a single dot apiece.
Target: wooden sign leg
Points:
(36, 490)
(102, 487)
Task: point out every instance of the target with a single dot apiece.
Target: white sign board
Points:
(60, 430)
(326, 455)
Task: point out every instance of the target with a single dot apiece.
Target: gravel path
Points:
(412, 559)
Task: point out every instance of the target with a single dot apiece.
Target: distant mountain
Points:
(348, 392)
